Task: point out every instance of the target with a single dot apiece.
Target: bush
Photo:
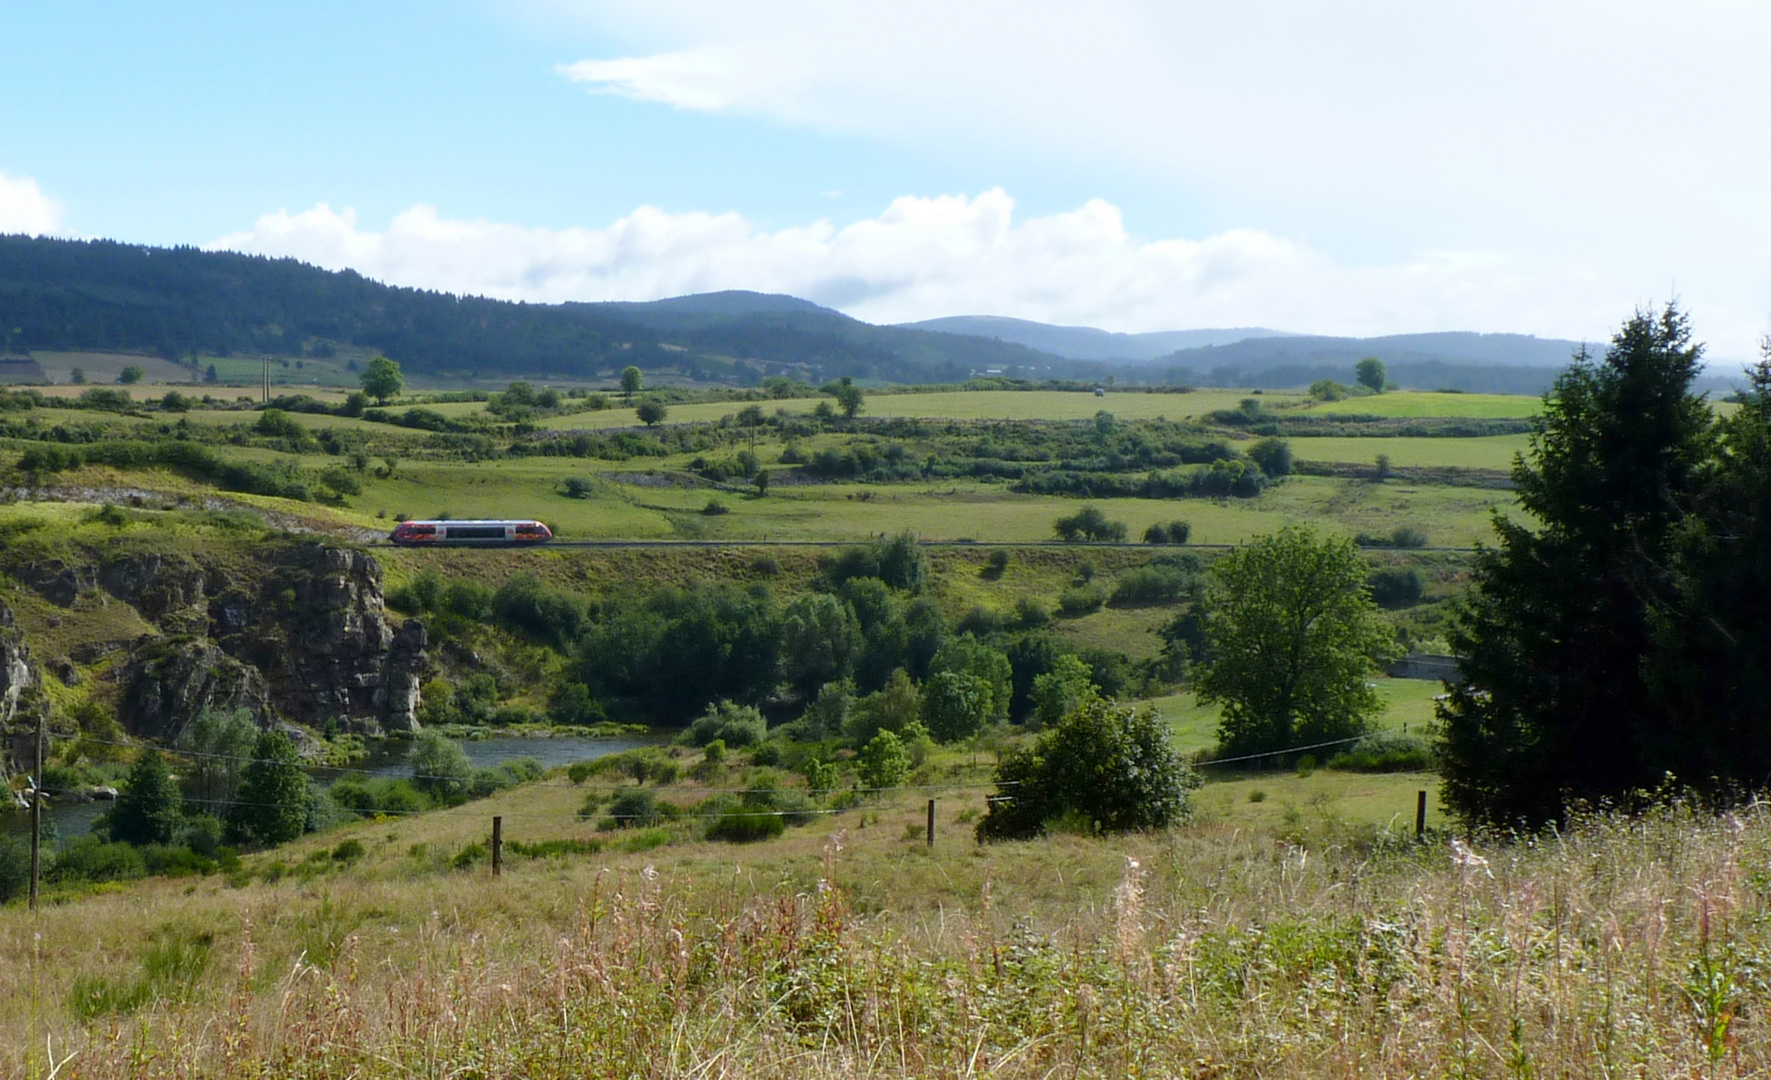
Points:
(369, 796)
(1387, 751)
(1272, 455)
(1153, 584)
(440, 767)
(15, 868)
(1396, 587)
(1082, 600)
(1089, 524)
(348, 851)
(744, 825)
(884, 762)
(1104, 764)
(735, 725)
(637, 808)
(87, 858)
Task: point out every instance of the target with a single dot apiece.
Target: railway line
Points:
(715, 544)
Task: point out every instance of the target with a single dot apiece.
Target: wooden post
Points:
(37, 813)
(1420, 814)
(497, 846)
(931, 823)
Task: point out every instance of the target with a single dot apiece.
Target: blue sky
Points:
(1375, 167)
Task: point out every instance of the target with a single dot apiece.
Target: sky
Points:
(1365, 167)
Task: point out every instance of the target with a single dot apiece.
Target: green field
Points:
(1486, 452)
(1416, 403)
(1407, 703)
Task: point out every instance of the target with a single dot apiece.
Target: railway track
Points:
(714, 544)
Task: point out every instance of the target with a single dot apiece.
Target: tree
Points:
(761, 480)
(891, 708)
(1370, 373)
(1060, 691)
(78, 375)
(849, 397)
(131, 375)
(1292, 638)
(210, 375)
(175, 402)
(219, 743)
(273, 799)
(955, 705)
(1089, 523)
(149, 808)
(382, 380)
(1272, 455)
(632, 381)
(652, 412)
(1108, 765)
(969, 656)
(883, 762)
(819, 639)
(440, 767)
(1564, 691)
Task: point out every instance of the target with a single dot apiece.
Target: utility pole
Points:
(37, 813)
(267, 380)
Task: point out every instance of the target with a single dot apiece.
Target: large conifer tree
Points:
(1561, 694)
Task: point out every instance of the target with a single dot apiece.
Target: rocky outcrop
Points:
(18, 701)
(298, 632)
(170, 682)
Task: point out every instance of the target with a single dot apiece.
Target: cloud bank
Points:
(927, 257)
(25, 209)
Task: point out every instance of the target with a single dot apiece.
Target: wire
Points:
(1276, 753)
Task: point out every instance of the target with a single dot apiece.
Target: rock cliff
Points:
(296, 631)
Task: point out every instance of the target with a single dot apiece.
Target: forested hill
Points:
(102, 295)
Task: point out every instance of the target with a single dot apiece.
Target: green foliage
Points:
(271, 804)
(277, 424)
(1062, 690)
(849, 397)
(1080, 600)
(148, 810)
(1161, 582)
(1175, 532)
(956, 705)
(1385, 751)
(735, 725)
(1571, 685)
(15, 868)
(898, 561)
(1089, 524)
(1327, 390)
(819, 640)
(89, 858)
(1396, 586)
(889, 709)
(967, 655)
(382, 379)
(884, 762)
(1370, 374)
(369, 796)
(131, 374)
(1272, 455)
(218, 743)
(1292, 639)
(440, 768)
(652, 412)
(632, 381)
(1107, 765)
(636, 808)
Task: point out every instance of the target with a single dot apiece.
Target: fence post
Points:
(497, 846)
(1420, 814)
(931, 823)
(37, 810)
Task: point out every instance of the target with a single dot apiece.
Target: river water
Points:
(386, 758)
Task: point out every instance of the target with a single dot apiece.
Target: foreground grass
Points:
(1620, 947)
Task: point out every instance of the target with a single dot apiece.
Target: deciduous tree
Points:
(382, 379)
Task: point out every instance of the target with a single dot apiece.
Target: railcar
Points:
(470, 533)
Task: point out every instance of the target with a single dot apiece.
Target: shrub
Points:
(884, 762)
(1082, 600)
(715, 508)
(440, 767)
(735, 725)
(1396, 587)
(1153, 584)
(1089, 524)
(88, 858)
(348, 851)
(1272, 455)
(369, 796)
(1104, 764)
(15, 868)
(635, 808)
(743, 825)
(1387, 751)
(997, 561)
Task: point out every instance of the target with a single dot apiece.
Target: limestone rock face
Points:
(170, 682)
(299, 632)
(18, 677)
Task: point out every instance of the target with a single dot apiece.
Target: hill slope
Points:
(1086, 342)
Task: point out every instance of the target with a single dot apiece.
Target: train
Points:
(486, 533)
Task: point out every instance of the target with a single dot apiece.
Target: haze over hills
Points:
(62, 295)
(1086, 342)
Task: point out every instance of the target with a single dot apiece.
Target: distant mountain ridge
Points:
(1086, 342)
(66, 295)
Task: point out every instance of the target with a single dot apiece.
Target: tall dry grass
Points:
(1624, 947)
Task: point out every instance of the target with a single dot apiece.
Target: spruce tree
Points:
(272, 801)
(149, 808)
(1558, 697)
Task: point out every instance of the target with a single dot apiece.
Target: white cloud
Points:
(1622, 139)
(25, 209)
(927, 257)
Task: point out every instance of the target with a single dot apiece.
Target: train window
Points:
(476, 532)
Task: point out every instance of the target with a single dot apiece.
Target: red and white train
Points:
(470, 533)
